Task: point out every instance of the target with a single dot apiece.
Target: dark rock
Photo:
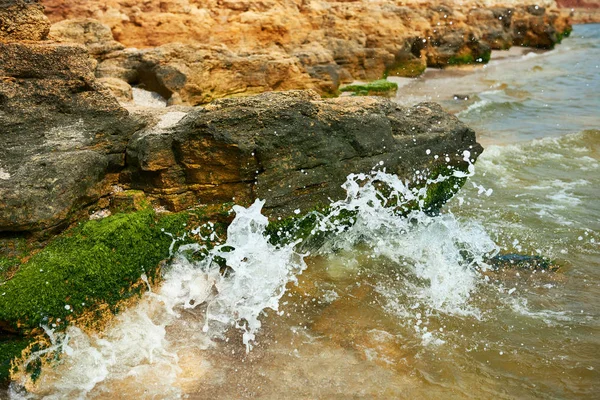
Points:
(67, 140)
(538, 27)
(463, 97)
(61, 134)
(292, 149)
(520, 261)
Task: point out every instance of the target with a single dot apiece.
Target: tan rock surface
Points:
(22, 20)
(95, 36)
(119, 88)
(206, 49)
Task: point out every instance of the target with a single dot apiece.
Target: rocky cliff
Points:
(70, 149)
(193, 51)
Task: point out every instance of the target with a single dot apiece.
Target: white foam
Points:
(446, 277)
(138, 349)
(260, 273)
(198, 303)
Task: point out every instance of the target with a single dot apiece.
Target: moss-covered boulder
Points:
(89, 272)
(95, 263)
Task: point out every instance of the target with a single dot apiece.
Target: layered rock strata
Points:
(193, 51)
(291, 148)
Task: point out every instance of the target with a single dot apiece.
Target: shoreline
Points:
(94, 155)
(279, 45)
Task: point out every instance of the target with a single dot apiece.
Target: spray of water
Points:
(444, 254)
(237, 281)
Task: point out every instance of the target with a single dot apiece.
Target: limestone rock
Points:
(211, 49)
(95, 36)
(291, 148)
(67, 140)
(199, 74)
(62, 133)
(22, 20)
(536, 27)
(119, 88)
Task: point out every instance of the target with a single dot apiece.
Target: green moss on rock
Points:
(7, 266)
(439, 193)
(377, 88)
(461, 59)
(10, 348)
(97, 262)
(565, 34)
(302, 227)
(407, 68)
(486, 56)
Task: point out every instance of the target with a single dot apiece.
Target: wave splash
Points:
(239, 280)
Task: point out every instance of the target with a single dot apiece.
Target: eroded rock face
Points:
(292, 149)
(95, 36)
(62, 133)
(22, 20)
(247, 47)
(197, 74)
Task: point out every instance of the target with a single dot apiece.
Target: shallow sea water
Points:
(396, 307)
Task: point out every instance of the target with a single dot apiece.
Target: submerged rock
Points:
(520, 261)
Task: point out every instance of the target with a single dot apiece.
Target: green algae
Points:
(439, 193)
(410, 68)
(88, 270)
(377, 87)
(7, 266)
(461, 59)
(10, 348)
(95, 263)
(469, 58)
(565, 34)
(302, 228)
(486, 57)
(100, 262)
